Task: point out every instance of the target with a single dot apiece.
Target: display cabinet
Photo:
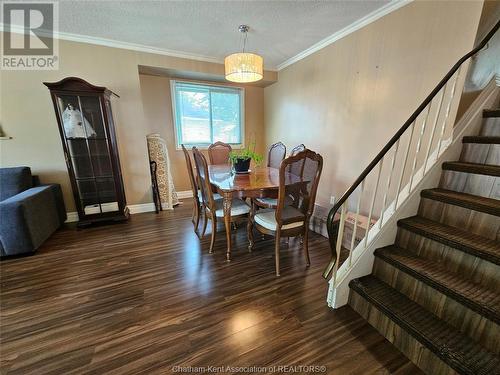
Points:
(86, 125)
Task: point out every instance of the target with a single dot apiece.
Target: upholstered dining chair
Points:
(218, 153)
(198, 207)
(213, 207)
(276, 154)
(197, 201)
(290, 219)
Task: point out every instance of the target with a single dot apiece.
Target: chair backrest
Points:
(297, 149)
(192, 179)
(204, 179)
(277, 153)
(296, 168)
(14, 180)
(218, 153)
(300, 187)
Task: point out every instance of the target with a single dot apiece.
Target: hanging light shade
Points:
(244, 66)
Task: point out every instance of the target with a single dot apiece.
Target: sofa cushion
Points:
(14, 181)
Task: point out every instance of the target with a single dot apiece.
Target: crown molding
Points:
(356, 25)
(122, 45)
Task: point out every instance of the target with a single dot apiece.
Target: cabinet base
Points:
(108, 219)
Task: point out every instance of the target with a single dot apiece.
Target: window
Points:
(205, 114)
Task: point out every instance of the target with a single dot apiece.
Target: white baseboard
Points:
(185, 194)
(134, 208)
(71, 217)
(140, 208)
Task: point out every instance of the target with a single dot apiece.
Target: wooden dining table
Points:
(261, 182)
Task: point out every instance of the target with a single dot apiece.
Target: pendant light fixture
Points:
(244, 67)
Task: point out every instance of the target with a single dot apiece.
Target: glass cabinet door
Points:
(87, 143)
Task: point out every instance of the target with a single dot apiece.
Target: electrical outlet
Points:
(332, 199)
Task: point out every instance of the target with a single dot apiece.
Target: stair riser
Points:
(477, 269)
(446, 308)
(491, 127)
(464, 218)
(406, 343)
(480, 153)
(475, 184)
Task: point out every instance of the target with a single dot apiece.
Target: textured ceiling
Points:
(279, 29)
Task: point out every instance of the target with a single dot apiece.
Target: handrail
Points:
(331, 215)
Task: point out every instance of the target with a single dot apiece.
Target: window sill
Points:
(205, 147)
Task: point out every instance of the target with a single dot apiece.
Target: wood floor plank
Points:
(143, 296)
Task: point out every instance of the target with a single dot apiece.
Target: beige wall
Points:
(27, 114)
(157, 104)
(348, 99)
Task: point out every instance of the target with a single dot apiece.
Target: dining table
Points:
(260, 182)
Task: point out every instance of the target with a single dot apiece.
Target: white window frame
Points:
(204, 146)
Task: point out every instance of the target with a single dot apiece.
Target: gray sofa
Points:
(28, 214)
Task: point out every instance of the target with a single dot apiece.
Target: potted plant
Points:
(241, 158)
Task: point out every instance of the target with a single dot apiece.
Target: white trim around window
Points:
(177, 85)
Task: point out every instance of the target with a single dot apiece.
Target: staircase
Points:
(435, 293)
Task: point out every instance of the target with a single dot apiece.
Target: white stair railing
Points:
(408, 176)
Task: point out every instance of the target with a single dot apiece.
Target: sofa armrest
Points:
(27, 219)
(58, 196)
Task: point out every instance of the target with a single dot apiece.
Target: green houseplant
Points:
(241, 158)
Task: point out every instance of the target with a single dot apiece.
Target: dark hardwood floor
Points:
(144, 296)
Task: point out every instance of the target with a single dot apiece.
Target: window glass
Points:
(207, 114)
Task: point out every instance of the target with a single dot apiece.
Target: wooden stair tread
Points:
(482, 139)
(485, 169)
(484, 301)
(453, 347)
(454, 237)
(474, 202)
(491, 113)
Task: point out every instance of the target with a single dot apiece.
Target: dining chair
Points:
(214, 207)
(197, 201)
(218, 152)
(290, 219)
(276, 154)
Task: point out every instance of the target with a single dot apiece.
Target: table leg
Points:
(227, 222)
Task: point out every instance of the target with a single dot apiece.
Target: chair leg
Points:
(277, 252)
(250, 227)
(212, 237)
(196, 216)
(205, 221)
(305, 244)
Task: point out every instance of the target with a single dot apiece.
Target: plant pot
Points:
(242, 165)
